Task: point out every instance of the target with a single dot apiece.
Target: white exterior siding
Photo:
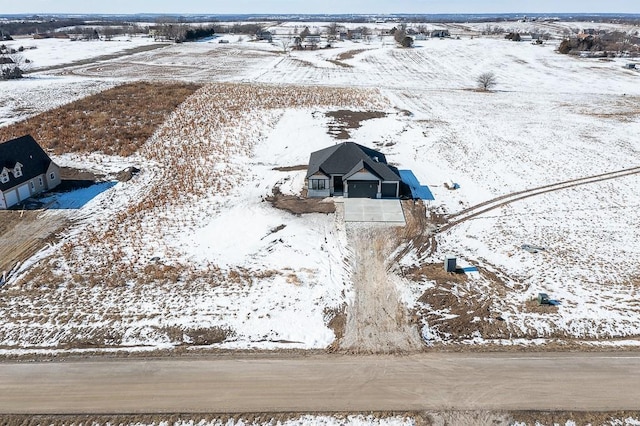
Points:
(30, 188)
(52, 177)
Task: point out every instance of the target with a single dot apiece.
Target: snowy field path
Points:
(569, 381)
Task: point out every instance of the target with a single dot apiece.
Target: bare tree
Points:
(486, 81)
(400, 36)
(332, 30)
(285, 43)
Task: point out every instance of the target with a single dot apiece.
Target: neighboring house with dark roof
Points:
(25, 170)
(353, 171)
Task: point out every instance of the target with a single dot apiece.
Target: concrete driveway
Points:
(370, 210)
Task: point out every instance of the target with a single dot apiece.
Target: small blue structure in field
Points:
(417, 191)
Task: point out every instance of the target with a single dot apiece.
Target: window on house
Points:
(52, 176)
(32, 185)
(4, 176)
(318, 184)
(40, 181)
(17, 171)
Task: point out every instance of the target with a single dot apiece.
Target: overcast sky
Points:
(318, 6)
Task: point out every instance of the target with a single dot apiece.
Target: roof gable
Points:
(26, 152)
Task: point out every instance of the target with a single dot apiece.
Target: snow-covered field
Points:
(189, 246)
(43, 53)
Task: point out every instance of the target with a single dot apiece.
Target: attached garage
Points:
(363, 188)
(390, 190)
(25, 170)
(11, 198)
(23, 192)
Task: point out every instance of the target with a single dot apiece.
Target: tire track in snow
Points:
(503, 200)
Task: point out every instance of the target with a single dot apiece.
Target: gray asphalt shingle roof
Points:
(348, 158)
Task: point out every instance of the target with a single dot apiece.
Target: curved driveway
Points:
(564, 381)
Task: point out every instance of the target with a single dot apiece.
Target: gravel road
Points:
(329, 383)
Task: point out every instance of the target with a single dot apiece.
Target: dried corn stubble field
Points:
(128, 272)
(116, 121)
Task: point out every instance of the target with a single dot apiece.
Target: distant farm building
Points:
(264, 35)
(440, 33)
(25, 170)
(353, 171)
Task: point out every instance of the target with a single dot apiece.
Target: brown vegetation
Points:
(116, 122)
(343, 120)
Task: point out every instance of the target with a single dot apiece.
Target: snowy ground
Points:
(235, 270)
(43, 53)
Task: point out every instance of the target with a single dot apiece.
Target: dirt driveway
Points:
(377, 322)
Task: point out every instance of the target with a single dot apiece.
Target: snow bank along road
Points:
(564, 381)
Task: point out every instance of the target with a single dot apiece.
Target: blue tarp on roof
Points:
(418, 191)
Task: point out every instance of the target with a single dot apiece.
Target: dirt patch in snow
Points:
(377, 322)
(291, 168)
(299, 204)
(344, 120)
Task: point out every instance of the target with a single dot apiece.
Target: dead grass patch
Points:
(417, 233)
(344, 56)
(116, 122)
(456, 312)
(435, 272)
(340, 63)
(350, 54)
(208, 336)
(532, 306)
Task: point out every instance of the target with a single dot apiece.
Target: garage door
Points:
(11, 198)
(363, 188)
(23, 192)
(389, 190)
